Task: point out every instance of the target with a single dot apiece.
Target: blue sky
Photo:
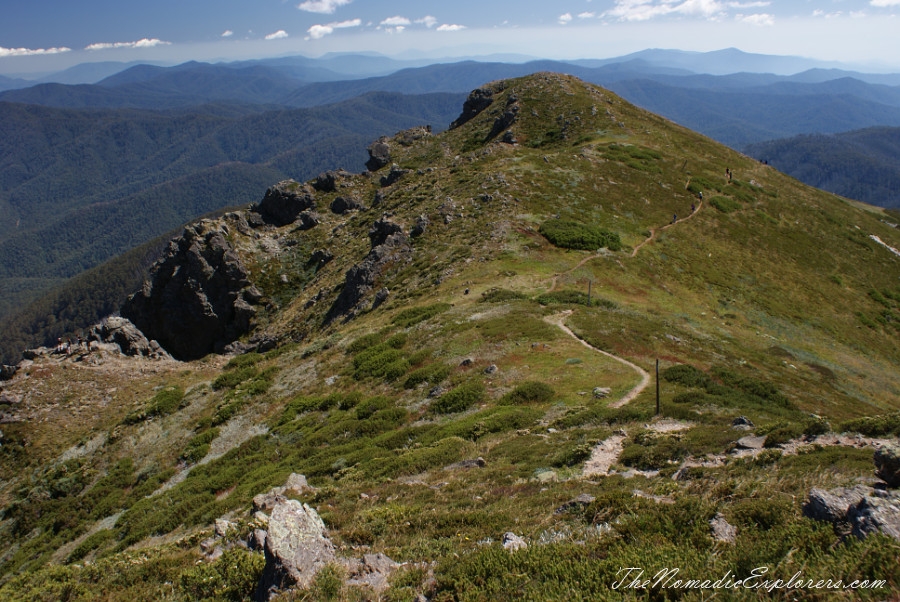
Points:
(43, 35)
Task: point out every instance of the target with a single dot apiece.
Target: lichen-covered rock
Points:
(832, 506)
(876, 513)
(331, 180)
(130, 340)
(887, 464)
(198, 298)
(7, 372)
(284, 202)
(512, 542)
(721, 529)
(394, 175)
(342, 205)
(297, 547)
(372, 570)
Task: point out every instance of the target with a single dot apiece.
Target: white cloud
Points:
(142, 43)
(587, 15)
(761, 19)
(884, 3)
(317, 32)
(449, 27)
(644, 10)
(395, 21)
(227, 33)
(4, 52)
(427, 21)
(278, 35)
(743, 5)
(565, 18)
(325, 7)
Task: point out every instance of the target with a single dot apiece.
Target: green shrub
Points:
(575, 298)
(686, 375)
(232, 577)
(724, 204)
(874, 426)
(459, 399)
(568, 234)
(432, 374)
(501, 295)
(91, 543)
(198, 446)
(381, 361)
(242, 361)
(528, 392)
(764, 514)
(573, 455)
(370, 406)
(414, 315)
(783, 434)
(165, 402)
(231, 379)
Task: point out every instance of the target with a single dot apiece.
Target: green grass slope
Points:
(770, 301)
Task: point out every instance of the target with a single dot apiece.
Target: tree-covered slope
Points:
(79, 187)
(861, 164)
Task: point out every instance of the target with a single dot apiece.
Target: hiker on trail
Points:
(674, 218)
(693, 208)
(700, 194)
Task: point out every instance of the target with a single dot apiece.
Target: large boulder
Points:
(198, 298)
(379, 154)
(887, 464)
(296, 548)
(284, 202)
(477, 101)
(131, 341)
(877, 513)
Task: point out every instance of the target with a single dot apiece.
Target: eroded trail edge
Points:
(557, 320)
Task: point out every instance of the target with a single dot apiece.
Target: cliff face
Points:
(199, 296)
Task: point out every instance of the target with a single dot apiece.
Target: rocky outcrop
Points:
(506, 119)
(7, 372)
(342, 205)
(887, 464)
(331, 180)
(393, 176)
(379, 154)
(297, 547)
(131, 341)
(390, 248)
(284, 202)
(198, 297)
(477, 101)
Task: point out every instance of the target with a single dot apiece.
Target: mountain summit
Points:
(455, 349)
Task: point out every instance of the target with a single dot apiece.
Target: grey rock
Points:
(509, 138)
(832, 506)
(742, 421)
(297, 483)
(467, 362)
(319, 259)
(380, 297)
(131, 341)
(721, 530)
(378, 199)
(506, 119)
(477, 101)
(7, 372)
(256, 540)
(512, 542)
(199, 296)
(331, 180)
(284, 202)
(296, 548)
(492, 369)
(306, 220)
(390, 251)
(578, 503)
(379, 154)
(887, 464)
(222, 526)
(476, 463)
(266, 502)
(601, 392)
(876, 514)
(342, 205)
(373, 571)
(419, 228)
(751, 442)
(436, 391)
(393, 176)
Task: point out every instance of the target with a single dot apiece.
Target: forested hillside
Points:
(862, 165)
(80, 186)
